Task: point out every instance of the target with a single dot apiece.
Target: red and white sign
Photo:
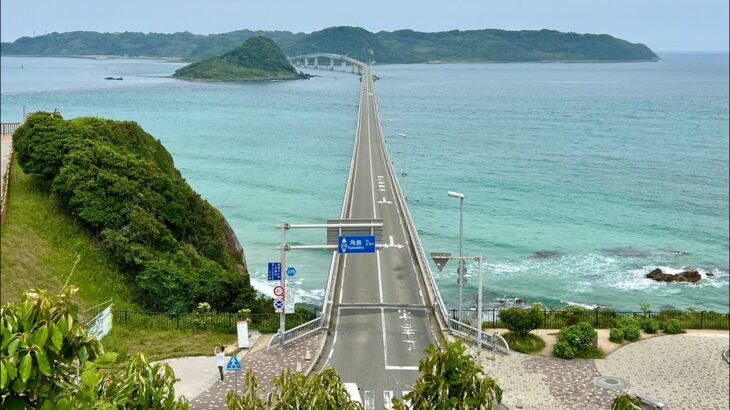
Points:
(278, 291)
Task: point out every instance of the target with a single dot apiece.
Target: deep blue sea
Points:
(578, 178)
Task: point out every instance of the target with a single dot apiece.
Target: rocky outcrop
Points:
(691, 276)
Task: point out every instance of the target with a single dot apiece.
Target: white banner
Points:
(242, 328)
(289, 300)
(101, 324)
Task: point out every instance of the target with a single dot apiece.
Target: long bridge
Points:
(381, 310)
(355, 66)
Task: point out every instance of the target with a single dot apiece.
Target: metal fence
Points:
(216, 322)
(493, 341)
(603, 318)
(298, 332)
(9, 127)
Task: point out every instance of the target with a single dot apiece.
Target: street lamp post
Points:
(462, 268)
(404, 174)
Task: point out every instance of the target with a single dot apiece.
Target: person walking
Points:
(220, 359)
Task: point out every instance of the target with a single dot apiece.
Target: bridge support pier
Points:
(344, 65)
(306, 62)
(332, 64)
(316, 63)
(352, 68)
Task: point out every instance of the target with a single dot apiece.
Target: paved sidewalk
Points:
(265, 364)
(683, 371)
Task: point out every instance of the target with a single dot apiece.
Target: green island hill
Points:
(389, 47)
(258, 58)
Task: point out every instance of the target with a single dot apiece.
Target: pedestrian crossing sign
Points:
(233, 365)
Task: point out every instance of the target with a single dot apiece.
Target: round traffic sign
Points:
(278, 291)
(278, 304)
(291, 272)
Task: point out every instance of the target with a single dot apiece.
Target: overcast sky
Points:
(663, 25)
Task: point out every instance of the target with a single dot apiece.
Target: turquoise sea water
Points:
(579, 178)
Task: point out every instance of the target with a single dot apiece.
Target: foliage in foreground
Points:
(44, 348)
(451, 379)
(294, 390)
(626, 402)
(673, 327)
(122, 186)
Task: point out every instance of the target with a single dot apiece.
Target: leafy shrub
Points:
(673, 327)
(616, 335)
(529, 343)
(564, 350)
(632, 334)
(626, 402)
(522, 321)
(575, 339)
(572, 315)
(651, 325)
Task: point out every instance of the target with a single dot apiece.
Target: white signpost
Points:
(102, 324)
(242, 330)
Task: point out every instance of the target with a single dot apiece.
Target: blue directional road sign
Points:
(291, 272)
(274, 271)
(356, 244)
(234, 365)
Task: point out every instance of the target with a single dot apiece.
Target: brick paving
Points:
(684, 372)
(266, 365)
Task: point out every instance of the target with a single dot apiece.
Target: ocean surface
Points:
(578, 178)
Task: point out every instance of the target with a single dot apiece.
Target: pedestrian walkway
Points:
(682, 371)
(265, 364)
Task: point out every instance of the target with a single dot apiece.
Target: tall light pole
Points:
(404, 174)
(462, 267)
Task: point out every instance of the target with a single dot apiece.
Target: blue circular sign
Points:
(291, 272)
(278, 304)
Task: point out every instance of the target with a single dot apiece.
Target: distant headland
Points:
(401, 46)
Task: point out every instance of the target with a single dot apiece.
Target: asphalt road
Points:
(380, 320)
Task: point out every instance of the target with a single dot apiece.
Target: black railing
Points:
(215, 322)
(603, 318)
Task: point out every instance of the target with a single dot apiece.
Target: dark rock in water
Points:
(545, 255)
(626, 252)
(691, 276)
(113, 78)
(710, 274)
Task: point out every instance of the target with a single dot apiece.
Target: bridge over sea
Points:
(381, 310)
(355, 66)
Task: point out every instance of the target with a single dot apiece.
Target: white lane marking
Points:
(380, 276)
(342, 282)
(384, 201)
(370, 153)
(411, 344)
(392, 244)
(385, 340)
(365, 306)
(334, 341)
(388, 399)
(369, 400)
(401, 368)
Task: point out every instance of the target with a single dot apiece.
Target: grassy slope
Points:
(39, 246)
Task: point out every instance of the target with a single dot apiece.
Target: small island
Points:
(257, 59)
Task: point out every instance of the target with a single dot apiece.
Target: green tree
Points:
(626, 402)
(451, 379)
(50, 362)
(522, 321)
(294, 390)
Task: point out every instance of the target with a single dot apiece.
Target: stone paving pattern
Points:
(684, 372)
(266, 365)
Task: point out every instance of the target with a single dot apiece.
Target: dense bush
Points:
(574, 340)
(630, 328)
(529, 343)
(632, 334)
(121, 184)
(522, 321)
(650, 325)
(616, 335)
(673, 327)
(574, 314)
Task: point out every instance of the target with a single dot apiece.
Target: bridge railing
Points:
(493, 341)
(441, 311)
(291, 335)
(327, 302)
(9, 127)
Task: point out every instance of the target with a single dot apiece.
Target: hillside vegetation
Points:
(401, 46)
(121, 186)
(259, 58)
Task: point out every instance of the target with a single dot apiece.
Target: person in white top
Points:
(220, 359)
